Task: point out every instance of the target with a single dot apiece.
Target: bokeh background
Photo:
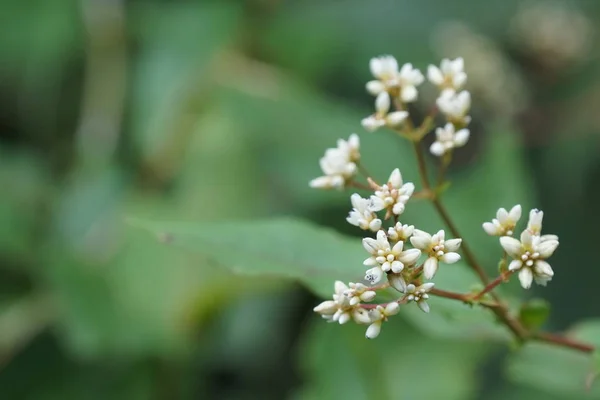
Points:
(219, 110)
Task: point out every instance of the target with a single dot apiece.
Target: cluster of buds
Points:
(402, 257)
(529, 254)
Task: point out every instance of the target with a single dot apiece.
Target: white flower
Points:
(381, 117)
(343, 307)
(385, 258)
(401, 82)
(504, 223)
(362, 215)
(450, 75)
(393, 196)
(338, 164)
(447, 139)
(455, 106)
(378, 315)
(534, 225)
(409, 79)
(528, 257)
(385, 69)
(419, 295)
(400, 232)
(358, 292)
(437, 249)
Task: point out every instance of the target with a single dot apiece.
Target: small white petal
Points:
(375, 225)
(547, 248)
(376, 66)
(375, 87)
(437, 149)
(409, 93)
(502, 216)
(374, 275)
(515, 213)
(423, 305)
(515, 265)
(326, 307)
(450, 258)
(430, 267)
(491, 229)
(340, 287)
(512, 246)
(396, 118)
(397, 267)
(392, 309)
(345, 317)
(545, 238)
(361, 316)
(435, 75)
(410, 256)
(421, 242)
(373, 330)
(382, 103)
(371, 123)
(397, 282)
(461, 137)
(368, 295)
(395, 178)
(370, 245)
(452, 244)
(543, 268)
(525, 277)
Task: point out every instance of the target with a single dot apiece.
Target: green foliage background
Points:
(116, 116)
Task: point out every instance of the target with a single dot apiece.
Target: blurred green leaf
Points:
(589, 331)
(534, 313)
(400, 363)
(552, 369)
(316, 257)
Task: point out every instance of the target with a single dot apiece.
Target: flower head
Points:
(450, 74)
(529, 255)
(455, 106)
(378, 315)
(385, 69)
(358, 292)
(386, 258)
(362, 214)
(504, 223)
(343, 307)
(381, 117)
(447, 139)
(338, 164)
(400, 232)
(419, 295)
(437, 248)
(393, 195)
(409, 78)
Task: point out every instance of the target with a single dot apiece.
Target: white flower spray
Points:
(402, 257)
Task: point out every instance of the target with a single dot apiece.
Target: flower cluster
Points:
(339, 164)
(400, 256)
(530, 252)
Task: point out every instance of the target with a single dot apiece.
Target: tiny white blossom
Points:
(381, 117)
(529, 255)
(386, 258)
(419, 295)
(338, 164)
(455, 106)
(362, 215)
(450, 74)
(358, 292)
(447, 139)
(437, 249)
(409, 78)
(400, 232)
(385, 69)
(343, 307)
(393, 195)
(504, 223)
(378, 316)
(534, 225)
